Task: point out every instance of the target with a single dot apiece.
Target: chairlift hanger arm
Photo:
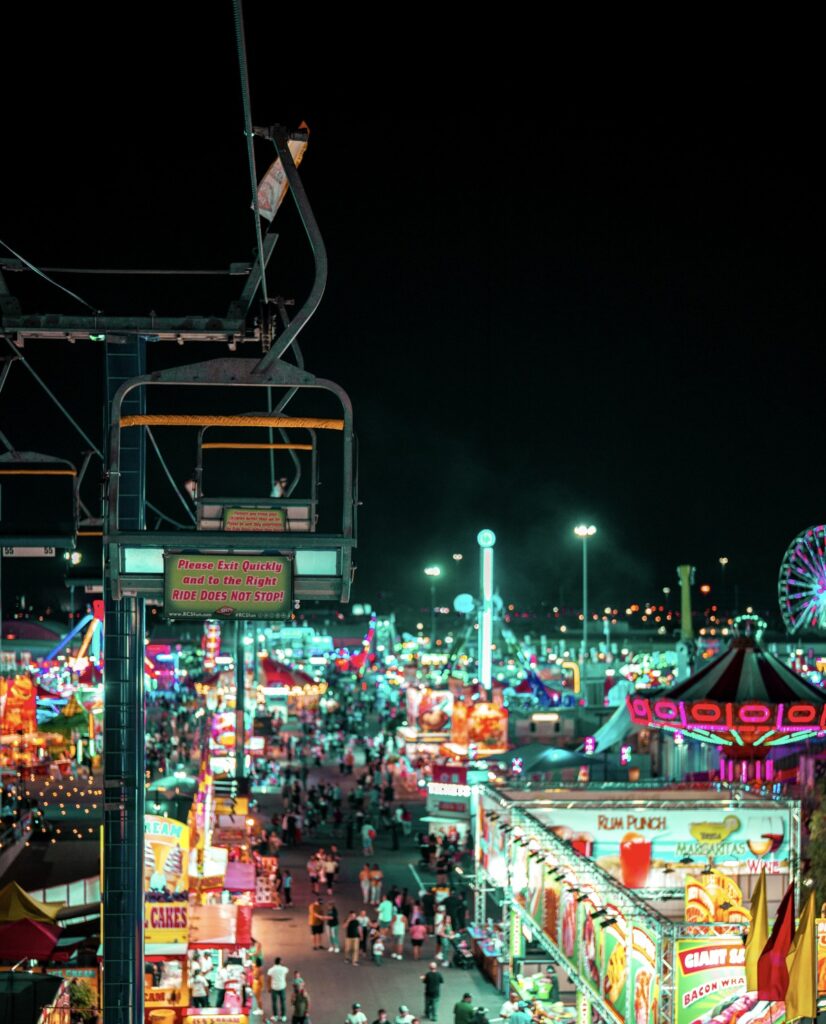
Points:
(279, 138)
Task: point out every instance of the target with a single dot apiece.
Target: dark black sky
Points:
(613, 314)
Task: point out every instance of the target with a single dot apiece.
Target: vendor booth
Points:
(601, 890)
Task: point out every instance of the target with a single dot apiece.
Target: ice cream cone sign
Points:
(166, 854)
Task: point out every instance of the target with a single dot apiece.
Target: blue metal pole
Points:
(123, 728)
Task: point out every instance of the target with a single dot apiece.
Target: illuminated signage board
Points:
(166, 922)
(227, 587)
(711, 973)
(643, 847)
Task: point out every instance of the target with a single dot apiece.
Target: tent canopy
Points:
(26, 938)
(17, 905)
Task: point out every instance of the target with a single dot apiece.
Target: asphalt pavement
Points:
(334, 985)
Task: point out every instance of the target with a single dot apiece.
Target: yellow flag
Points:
(758, 932)
(801, 962)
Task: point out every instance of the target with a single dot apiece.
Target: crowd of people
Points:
(283, 992)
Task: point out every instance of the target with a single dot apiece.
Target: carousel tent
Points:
(743, 673)
(743, 697)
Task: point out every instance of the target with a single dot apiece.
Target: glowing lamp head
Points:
(585, 531)
(433, 570)
(486, 538)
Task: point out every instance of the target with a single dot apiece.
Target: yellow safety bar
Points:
(308, 422)
(38, 472)
(266, 447)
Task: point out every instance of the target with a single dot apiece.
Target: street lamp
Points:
(433, 571)
(584, 532)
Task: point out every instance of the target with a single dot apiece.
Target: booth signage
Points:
(216, 1018)
(634, 845)
(710, 972)
(227, 587)
(255, 520)
(615, 966)
(165, 856)
(20, 705)
(166, 922)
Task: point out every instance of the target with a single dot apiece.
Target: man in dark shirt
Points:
(428, 906)
(432, 988)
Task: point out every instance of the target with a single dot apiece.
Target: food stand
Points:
(567, 902)
(166, 918)
(224, 930)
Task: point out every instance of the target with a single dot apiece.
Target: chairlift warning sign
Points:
(227, 587)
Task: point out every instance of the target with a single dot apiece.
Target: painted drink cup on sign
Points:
(635, 860)
(583, 843)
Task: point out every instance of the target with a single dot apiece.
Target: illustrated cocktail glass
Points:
(635, 860)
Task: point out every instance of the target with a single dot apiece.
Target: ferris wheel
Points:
(801, 586)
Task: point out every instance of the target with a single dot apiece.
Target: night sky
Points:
(540, 320)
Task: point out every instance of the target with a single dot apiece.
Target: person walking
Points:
(332, 927)
(376, 880)
(301, 1005)
(433, 982)
(378, 950)
(464, 1010)
(199, 989)
(330, 869)
(356, 1015)
(368, 834)
(404, 1016)
(352, 939)
(365, 924)
(364, 882)
(287, 887)
(521, 1014)
(440, 931)
(382, 1018)
(277, 987)
(316, 918)
(398, 929)
(385, 913)
(418, 933)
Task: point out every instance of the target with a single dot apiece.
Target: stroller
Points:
(462, 956)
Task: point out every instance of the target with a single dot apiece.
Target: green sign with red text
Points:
(227, 587)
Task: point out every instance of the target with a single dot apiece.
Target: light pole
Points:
(486, 539)
(433, 571)
(584, 532)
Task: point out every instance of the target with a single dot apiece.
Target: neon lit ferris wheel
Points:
(801, 586)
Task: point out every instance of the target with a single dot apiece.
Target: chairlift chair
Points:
(322, 563)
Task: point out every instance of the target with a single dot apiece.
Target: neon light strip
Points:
(737, 736)
(764, 737)
(793, 737)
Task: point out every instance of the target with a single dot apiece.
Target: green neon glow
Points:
(793, 737)
(737, 736)
(764, 737)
